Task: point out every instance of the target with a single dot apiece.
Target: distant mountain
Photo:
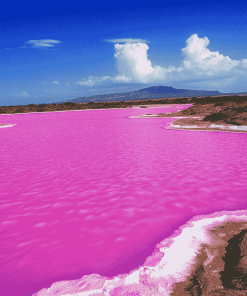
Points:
(170, 90)
(153, 92)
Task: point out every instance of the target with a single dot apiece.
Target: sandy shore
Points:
(206, 256)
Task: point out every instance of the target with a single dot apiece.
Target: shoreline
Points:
(193, 261)
(222, 113)
(2, 125)
(211, 128)
(183, 123)
(228, 115)
(90, 106)
(190, 260)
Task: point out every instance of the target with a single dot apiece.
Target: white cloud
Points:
(121, 78)
(88, 82)
(127, 40)
(43, 42)
(67, 84)
(91, 80)
(56, 82)
(243, 63)
(198, 64)
(200, 59)
(24, 94)
(133, 62)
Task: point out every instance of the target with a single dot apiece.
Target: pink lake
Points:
(94, 191)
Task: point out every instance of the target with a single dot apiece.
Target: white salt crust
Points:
(178, 254)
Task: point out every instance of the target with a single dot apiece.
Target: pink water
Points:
(94, 191)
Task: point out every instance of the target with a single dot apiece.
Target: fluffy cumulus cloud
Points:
(243, 63)
(200, 59)
(42, 43)
(133, 62)
(198, 62)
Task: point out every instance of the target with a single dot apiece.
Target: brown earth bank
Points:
(220, 267)
(221, 112)
(224, 112)
(211, 113)
(90, 105)
(208, 102)
(206, 256)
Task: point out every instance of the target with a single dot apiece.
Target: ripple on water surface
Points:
(94, 191)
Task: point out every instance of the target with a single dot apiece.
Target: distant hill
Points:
(181, 92)
(153, 92)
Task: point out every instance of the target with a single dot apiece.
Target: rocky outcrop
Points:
(206, 256)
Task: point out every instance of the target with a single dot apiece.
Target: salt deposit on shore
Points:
(212, 127)
(190, 260)
(6, 125)
(199, 126)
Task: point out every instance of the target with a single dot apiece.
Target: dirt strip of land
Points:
(214, 114)
(222, 113)
(90, 105)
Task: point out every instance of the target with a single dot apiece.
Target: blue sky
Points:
(51, 51)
